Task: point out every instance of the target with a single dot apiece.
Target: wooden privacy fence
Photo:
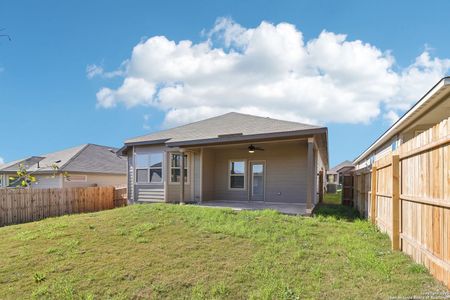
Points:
(409, 198)
(27, 205)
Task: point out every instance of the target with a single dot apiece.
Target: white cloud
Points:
(416, 79)
(2, 161)
(94, 71)
(146, 125)
(391, 116)
(269, 70)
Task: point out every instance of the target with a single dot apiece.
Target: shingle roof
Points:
(343, 164)
(228, 124)
(88, 158)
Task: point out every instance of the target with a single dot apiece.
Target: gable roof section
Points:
(432, 97)
(97, 159)
(231, 128)
(338, 167)
(228, 126)
(48, 159)
(87, 158)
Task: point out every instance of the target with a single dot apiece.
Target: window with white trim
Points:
(236, 174)
(175, 168)
(148, 167)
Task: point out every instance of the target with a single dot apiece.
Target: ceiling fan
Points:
(252, 149)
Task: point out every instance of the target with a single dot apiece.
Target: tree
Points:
(26, 179)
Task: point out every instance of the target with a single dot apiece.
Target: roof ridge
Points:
(102, 146)
(220, 116)
(180, 126)
(280, 120)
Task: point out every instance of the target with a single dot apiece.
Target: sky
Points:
(101, 72)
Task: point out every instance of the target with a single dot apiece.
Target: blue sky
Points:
(48, 102)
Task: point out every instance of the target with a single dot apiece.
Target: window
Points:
(175, 168)
(394, 145)
(13, 181)
(75, 178)
(237, 174)
(148, 167)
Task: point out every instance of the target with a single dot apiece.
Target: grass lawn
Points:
(333, 198)
(171, 251)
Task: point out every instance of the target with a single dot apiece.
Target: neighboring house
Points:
(85, 165)
(234, 157)
(334, 175)
(427, 112)
(430, 110)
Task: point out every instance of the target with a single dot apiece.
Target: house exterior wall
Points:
(379, 153)
(174, 189)
(43, 181)
(207, 173)
(146, 192)
(48, 182)
(197, 163)
(97, 180)
(286, 172)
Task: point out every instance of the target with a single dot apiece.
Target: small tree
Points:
(26, 179)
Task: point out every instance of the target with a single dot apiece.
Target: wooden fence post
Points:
(395, 202)
(321, 186)
(373, 195)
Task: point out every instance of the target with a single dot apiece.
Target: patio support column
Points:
(310, 175)
(182, 176)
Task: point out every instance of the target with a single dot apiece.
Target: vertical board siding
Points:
(424, 198)
(28, 205)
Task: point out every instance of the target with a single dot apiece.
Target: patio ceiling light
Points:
(252, 149)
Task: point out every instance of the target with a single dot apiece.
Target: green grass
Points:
(173, 252)
(333, 198)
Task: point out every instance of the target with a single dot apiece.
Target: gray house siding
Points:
(286, 168)
(285, 174)
(207, 173)
(146, 192)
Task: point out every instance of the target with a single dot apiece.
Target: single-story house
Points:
(335, 175)
(82, 166)
(234, 156)
(431, 109)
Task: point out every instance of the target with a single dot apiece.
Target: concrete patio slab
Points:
(285, 208)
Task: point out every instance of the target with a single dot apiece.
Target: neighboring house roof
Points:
(337, 168)
(230, 127)
(431, 98)
(87, 158)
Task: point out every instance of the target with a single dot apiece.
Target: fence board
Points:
(424, 208)
(27, 205)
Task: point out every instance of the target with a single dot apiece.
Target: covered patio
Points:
(284, 208)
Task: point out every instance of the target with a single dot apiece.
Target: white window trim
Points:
(244, 174)
(188, 158)
(69, 179)
(148, 169)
